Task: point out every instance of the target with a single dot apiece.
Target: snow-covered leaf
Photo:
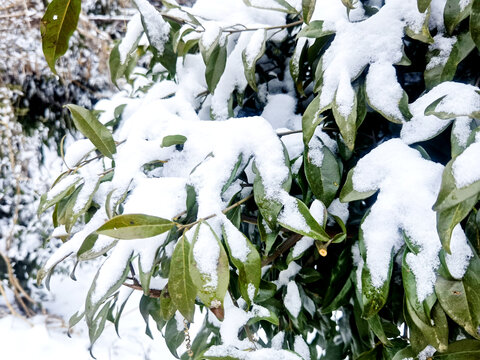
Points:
(209, 268)
(246, 259)
(314, 30)
(251, 54)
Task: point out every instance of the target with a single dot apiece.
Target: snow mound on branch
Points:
(408, 187)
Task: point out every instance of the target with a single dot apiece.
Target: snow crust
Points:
(134, 31)
(465, 167)
(158, 30)
(292, 300)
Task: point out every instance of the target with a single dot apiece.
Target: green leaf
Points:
(250, 270)
(475, 22)
(349, 194)
(266, 236)
(347, 123)
(117, 67)
(211, 295)
(215, 67)
(308, 6)
(97, 324)
(180, 285)
(311, 119)
(250, 63)
(423, 34)
(466, 349)
(57, 26)
(150, 307)
(170, 140)
(375, 324)
(461, 299)
(86, 122)
(453, 14)
(324, 180)
(135, 226)
(405, 353)
(314, 30)
(167, 306)
(423, 5)
(436, 333)
(448, 218)
(445, 71)
(374, 298)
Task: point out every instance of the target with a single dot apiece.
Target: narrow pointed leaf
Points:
(135, 226)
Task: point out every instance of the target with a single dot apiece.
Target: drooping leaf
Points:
(180, 285)
(466, 349)
(57, 26)
(135, 226)
(211, 293)
(349, 194)
(215, 66)
(86, 122)
(346, 122)
(423, 5)
(173, 337)
(249, 61)
(308, 6)
(249, 271)
(311, 119)
(324, 180)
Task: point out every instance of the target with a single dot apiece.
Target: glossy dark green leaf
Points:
(134, 226)
(57, 26)
(250, 63)
(150, 307)
(461, 299)
(171, 140)
(324, 180)
(180, 285)
(453, 14)
(86, 122)
(475, 22)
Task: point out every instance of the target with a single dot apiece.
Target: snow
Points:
(280, 112)
(404, 203)
(77, 151)
(464, 3)
(315, 152)
(292, 300)
(339, 209)
(285, 275)
(459, 99)
(134, 31)
(301, 347)
(62, 185)
(212, 32)
(157, 29)
(465, 169)
(461, 130)
(426, 353)
(302, 245)
(277, 340)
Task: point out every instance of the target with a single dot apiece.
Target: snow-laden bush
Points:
(265, 166)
